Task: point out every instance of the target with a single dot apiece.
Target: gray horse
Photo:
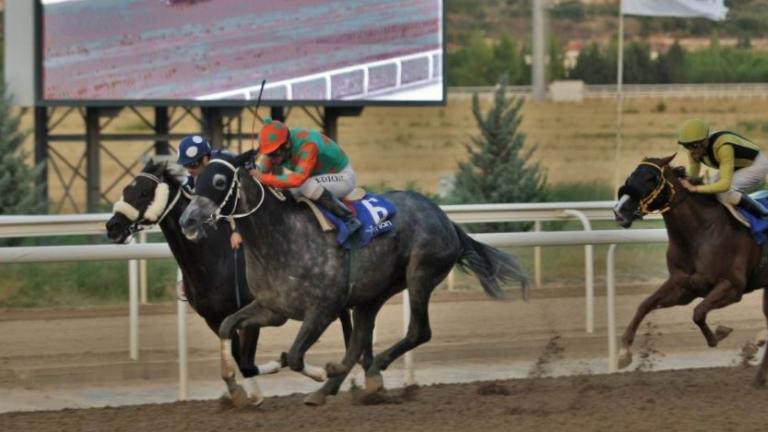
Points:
(212, 284)
(301, 273)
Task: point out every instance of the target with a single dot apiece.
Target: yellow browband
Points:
(647, 200)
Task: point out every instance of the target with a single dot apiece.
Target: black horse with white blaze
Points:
(297, 271)
(214, 282)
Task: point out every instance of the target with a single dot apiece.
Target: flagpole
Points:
(620, 96)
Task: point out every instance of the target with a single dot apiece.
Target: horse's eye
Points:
(144, 194)
(220, 182)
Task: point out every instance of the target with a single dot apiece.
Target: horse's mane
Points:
(173, 173)
(681, 173)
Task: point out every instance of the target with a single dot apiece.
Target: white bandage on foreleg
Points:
(316, 373)
(126, 210)
(253, 391)
(269, 367)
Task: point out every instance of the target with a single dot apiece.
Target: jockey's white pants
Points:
(746, 180)
(340, 184)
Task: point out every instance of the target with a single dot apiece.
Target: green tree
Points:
(18, 193)
(638, 66)
(499, 169)
(507, 59)
(556, 59)
(670, 66)
(593, 66)
(470, 65)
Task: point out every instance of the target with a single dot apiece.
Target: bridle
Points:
(141, 221)
(648, 200)
(234, 191)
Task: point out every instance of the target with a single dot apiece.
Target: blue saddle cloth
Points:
(758, 226)
(374, 212)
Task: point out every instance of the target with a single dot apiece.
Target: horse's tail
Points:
(491, 266)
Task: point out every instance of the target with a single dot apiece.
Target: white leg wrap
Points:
(269, 368)
(253, 391)
(316, 373)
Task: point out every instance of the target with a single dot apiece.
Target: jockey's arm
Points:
(264, 163)
(725, 172)
(287, 179)
(694, 166)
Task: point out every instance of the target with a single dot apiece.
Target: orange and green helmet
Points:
(272, 136)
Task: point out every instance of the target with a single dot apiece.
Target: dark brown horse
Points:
(710, 254)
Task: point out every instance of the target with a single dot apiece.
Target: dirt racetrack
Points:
(47, 354)
(684, 400)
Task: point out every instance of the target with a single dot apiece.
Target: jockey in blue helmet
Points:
(194, 154)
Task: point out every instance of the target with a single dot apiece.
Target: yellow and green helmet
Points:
(692, 131)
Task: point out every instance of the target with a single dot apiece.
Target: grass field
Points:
(398, 146)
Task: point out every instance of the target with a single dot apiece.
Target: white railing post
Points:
(133, 308)
(589, 272)
(537, 258)
(143, 271)
(610, 303)
(181, 319)
(408, 357)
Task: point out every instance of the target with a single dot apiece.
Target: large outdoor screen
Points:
(315, 51)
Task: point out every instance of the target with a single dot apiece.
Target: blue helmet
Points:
(192, 148)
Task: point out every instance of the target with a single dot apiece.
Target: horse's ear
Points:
(241, 159)
(149, 167)
(665, 161)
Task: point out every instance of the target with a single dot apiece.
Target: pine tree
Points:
(18, 193)
(499, 169)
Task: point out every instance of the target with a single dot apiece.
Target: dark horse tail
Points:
(492, 266)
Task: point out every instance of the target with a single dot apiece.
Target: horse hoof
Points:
(722, 332)
(335, 369)
(625, 358)
(373, 383)
(758, 384)
(315, 399)
(239, 397)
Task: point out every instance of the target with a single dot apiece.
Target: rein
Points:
(234, 190)
(648, 200)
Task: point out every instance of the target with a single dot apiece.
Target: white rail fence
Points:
(23, 226)
(640, 91)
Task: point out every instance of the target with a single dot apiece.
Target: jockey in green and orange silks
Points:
(307, 163)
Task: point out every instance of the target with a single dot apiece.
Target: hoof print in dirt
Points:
(493, 389)
(378, 398)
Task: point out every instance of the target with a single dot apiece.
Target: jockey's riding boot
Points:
(750, 204)
(337, 207)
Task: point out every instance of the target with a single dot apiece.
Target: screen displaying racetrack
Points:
(211, 50)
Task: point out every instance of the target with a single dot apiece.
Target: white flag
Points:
(711, 9)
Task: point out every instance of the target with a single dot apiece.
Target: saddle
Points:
(326, 225)
(742, 216)
(758, 227)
